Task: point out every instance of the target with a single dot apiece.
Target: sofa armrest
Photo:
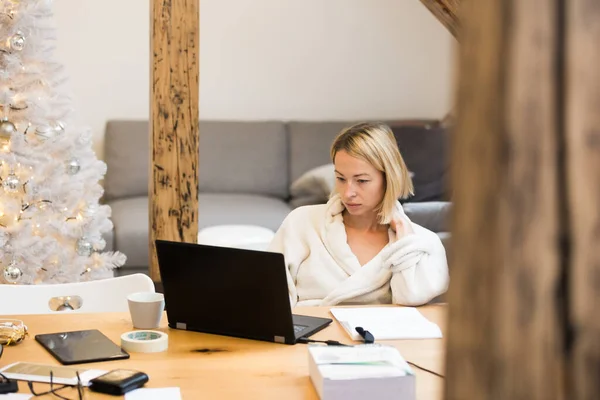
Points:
(433, 215)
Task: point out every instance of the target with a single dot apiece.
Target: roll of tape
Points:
(145, 341)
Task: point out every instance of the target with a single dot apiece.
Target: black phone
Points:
(79, 347)
(118, 382)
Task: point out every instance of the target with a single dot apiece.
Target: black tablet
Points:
(79, 347)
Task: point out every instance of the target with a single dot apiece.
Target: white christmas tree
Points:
(51, 221)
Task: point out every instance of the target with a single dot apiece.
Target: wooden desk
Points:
(231, 368)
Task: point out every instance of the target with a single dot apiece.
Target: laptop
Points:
(231, 292)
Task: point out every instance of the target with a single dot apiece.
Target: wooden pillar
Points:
(582, 142)
(446, 12)
(173, 123)
(525, 283)
(507, 320)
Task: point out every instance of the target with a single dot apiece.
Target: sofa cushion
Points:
(235, 157)
(425, 148)
(130, 218)
(310, 143)
(126, 152)
(318, 182)
(244, 157)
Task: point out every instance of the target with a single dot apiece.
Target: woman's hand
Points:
(402, 227)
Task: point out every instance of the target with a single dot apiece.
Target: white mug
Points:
(146, 309)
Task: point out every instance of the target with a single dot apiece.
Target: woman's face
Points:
(360, 185)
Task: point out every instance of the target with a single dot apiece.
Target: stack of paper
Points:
(387, 322)
(360, 372)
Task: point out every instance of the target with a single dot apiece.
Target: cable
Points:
(327, 342)
(425, 369)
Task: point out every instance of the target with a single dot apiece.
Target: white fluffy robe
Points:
(323, 271)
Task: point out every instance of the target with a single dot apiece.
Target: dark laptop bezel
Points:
(275, 310)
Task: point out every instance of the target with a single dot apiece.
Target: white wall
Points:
(265, 59)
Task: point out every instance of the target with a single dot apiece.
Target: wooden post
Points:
(173, 123)
(507, 322)
(582, 142)
(446, 12)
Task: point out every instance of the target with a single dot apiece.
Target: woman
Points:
(360, 247)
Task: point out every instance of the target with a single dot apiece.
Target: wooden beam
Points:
(506, 333)
(446, 11)
(582, 146)
(173, 123)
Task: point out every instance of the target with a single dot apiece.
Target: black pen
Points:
(367, 336)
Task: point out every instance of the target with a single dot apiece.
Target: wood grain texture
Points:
(505, 333)
(446, 11)
(217, 367)
(582, 29)
(173, 123)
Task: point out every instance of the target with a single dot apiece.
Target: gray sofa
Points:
(245, 173)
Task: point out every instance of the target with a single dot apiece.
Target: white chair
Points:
(104, 295)
(250, 237)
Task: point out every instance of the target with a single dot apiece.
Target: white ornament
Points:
(12, 273)
(45, 132)
(11, 183)
(73, 166)
(43, 204)
(84, 247)
(17, 41)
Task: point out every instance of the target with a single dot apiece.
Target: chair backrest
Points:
(105, 295)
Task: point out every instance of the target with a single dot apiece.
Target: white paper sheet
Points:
(170, 393)
(15, 396)
(387, 323)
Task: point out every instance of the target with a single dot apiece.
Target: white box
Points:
(360, 372)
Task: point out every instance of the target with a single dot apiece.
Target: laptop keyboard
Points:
(299, 328)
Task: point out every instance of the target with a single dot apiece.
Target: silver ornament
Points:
(17, 41)
(12, 273)
(65, 306)
(59, 127)
(84, 247)
(7, 128)
(73, 166)
(11, 183)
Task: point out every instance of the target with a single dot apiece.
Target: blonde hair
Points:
(375, 143)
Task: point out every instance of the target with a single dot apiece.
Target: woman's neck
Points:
(363, 222)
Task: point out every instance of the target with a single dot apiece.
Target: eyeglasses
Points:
(54, 390)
